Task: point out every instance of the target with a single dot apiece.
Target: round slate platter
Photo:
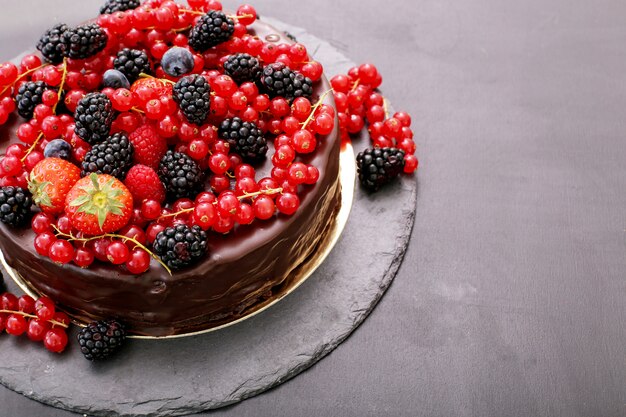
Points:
(190, 375)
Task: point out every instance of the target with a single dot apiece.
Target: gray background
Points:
(510, 301)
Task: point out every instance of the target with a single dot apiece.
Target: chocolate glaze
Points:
(242, 267)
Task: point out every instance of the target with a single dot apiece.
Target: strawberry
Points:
(149, 147)
(149, 88)
(50, 181)
(98, 204)
(144, 184)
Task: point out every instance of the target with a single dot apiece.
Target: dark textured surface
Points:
(510, 301)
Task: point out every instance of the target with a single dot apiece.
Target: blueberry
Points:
(115, 79)
(58, 148)
(177, 61)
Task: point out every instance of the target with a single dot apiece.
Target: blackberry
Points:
(211, 29)
(51, 44)
(180, 245)
(28, 96)
(279, 80)
(242, 68)
(193, 95)
(93, 116)
(15, 204)
(181, 175)
(131, 63)
(378, 166)
(114, 156)
(245, 138)
(112, 6)
(84, 41)
(100, 339)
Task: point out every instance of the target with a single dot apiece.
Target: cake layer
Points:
(241, 269)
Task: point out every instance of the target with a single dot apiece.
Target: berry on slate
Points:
(278, 79)
(378, 166)
(181, 175)
(131, 63)
(51, 44)
(211, 30)
(114, 156)
(84, 41)
(180, 245)
(144, 184)
(58, 148)
(193, 95)
(177, 61)
(245, 138)
(149, 147)
(28, 96)
(15, 205)
(101, 339)
(242, 68)
(112, 6)
(115, 79)
(99, 204)
(50, 181)
(94, 115)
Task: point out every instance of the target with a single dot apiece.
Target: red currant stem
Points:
(21, 76)
(54, 109)
(135, 109)
(183, 211)
(243, 16)
(229, 175)
(355, 84)
(185, 29)
(32, 147)
(144, 75)
(314, 109)
(386, 107)
(32, 316)
(125, 239)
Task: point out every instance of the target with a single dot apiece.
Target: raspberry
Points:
(84, 41)
(149, 146)
(144, 184)
(131, 63)
(212, 29)
(112, 6)
(113, 156)
(378, 166)
(51, 43)
(180, 245)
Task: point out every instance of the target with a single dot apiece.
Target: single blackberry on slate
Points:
(181, 175)
(131, 63)
(112, 6)
(114, 156)
(51, 44)
(242, 68)
(211, 29)
(378, 166)
(15, 204)
(278, 79)
(193, 95)
(180, 245)
(84, 41)
(93, 116)
(100, 339)
(245, 138)
(29, 96)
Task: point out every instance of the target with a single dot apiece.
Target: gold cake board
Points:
(347, 175)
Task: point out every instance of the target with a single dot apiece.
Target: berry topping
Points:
(144, 184)
(149, 146)
(84, 41)
(378, 166)
(177, 61)
(15, 204)
(180, 245)
(51, 44)
(181, 175)
(29, 95)
(101, 339)
(245, 138)
(115, 79)
(211, 30)
(99, 204)
(242, 68)
(58, 148)
(131, 63)
(278, 79)
(50, 181)
(113, 156)
(94, 116)
(112, 6)
(193, 95)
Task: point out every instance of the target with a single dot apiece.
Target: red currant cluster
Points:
(358, 101)
(37, 318)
